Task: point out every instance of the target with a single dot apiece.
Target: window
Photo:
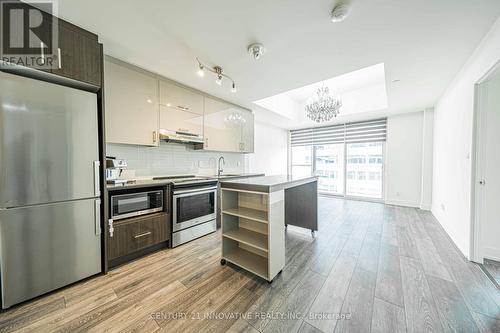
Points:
(328, 168)
(368, 180)
(345, 162)
(302, 160)
(374, 159)
(356, 160)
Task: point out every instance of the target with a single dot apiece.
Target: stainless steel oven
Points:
(194, 212)
(136, 203)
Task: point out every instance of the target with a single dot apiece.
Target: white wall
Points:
(453, 124)
(427, 147)
(271, 150)
(403, 164)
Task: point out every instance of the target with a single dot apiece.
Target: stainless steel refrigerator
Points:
(49, 187)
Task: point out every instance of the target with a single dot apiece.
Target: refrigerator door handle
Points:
(97, 217)
(97, 189)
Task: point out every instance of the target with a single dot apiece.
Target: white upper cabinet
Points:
(180, 109)
(131, 104)
(247, 132)
(227, 127)
(139, 104)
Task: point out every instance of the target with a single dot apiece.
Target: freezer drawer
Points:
(48, 142)
(47, 247)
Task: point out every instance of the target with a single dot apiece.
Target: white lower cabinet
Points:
(253, 231)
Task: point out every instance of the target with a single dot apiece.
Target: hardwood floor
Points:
(492, 268)
(370, 268)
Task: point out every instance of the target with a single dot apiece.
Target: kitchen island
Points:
(255, 212)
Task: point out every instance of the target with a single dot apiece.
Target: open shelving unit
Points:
(248, 230)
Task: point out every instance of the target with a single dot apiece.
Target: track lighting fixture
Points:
(201, 72)
(217, 70)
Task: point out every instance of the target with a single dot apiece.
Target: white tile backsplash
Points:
(173, 158)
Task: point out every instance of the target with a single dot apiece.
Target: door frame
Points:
(476, 199)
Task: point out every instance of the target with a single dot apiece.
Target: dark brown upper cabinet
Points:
(78, 52)
(78, 55)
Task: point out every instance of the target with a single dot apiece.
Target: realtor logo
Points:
(29, 33)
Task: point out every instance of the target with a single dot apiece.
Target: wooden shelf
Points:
(248, 213)
(249, 261)
(248, 237)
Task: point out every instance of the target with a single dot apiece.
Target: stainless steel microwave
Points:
(136, 203)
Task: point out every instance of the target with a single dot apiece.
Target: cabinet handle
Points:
(111, 229)
(206, 142)
(59, 60)
(154, 136)
(97, 217)
(97, 188)
(143, 234)
(42, 53)
(183, 108)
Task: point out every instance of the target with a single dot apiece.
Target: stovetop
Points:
(185, 180)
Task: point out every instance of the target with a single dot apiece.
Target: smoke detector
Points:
(256, 50)
(340, 11)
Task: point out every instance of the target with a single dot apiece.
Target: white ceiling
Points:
(361, 92)
(422, 43)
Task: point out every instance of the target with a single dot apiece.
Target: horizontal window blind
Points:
(366, 131)
(363, 131)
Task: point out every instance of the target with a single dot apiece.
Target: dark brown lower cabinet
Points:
(132, 235)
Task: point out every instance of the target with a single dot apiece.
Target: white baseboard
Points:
(425, 206)
(491, 253)
(460, 243)
(405, 203)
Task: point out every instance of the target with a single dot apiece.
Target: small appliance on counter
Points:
(114, 169)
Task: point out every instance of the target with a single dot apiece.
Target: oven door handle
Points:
(197, 191)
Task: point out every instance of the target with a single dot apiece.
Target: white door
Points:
(487, 185)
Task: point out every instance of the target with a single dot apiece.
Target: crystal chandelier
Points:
(322, 106)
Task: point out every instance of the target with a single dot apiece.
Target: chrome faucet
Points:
(219, 168)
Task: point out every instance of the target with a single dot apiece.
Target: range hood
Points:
(180, 137)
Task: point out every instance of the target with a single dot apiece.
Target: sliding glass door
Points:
(302, 161)
(347, 158)
(364, 169)
(329, 167)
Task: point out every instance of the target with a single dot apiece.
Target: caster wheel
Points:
(313, 233)
(269, 282)
(280, 272)
(223, 262)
